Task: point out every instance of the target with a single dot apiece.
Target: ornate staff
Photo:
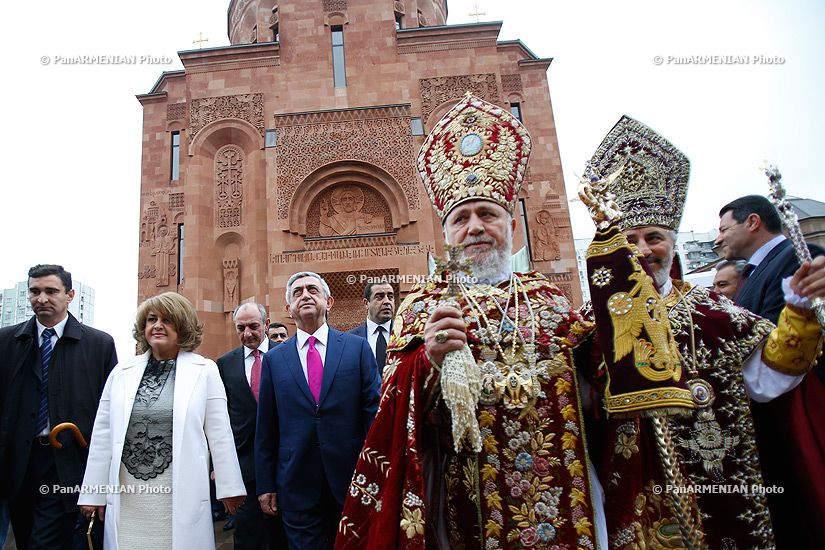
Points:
(791, 223)
(593, 192)
(460, 377)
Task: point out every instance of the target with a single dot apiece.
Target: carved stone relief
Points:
(248, 107)
(160, 237)
(230, 284)
(348, 209)
(436, 91)
(382, 137)
(176, 111)
(545, 243)
(335, 5)
(511, 83)
(229, 173)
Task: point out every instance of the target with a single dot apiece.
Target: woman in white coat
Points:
(160, 417)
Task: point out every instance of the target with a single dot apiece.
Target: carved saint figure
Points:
(346, 216)
(545, 246)
(162, 249)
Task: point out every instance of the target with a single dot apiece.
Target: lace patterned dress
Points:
(145, 467)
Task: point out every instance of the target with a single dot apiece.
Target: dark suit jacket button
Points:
(318, 444)
(318, 416)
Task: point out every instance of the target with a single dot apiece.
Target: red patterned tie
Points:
(315, 369)
(255, 382)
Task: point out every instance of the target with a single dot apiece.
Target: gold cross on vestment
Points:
(477, 14)
(200, 40)
(452, 266)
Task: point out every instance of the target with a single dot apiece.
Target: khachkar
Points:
(258, 162)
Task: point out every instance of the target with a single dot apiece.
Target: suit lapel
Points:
(293, 363)
(335, 347)
(131, 380)
(187, 371)
(764, 265)
(238, 374)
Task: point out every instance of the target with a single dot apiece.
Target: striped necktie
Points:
(45, 355)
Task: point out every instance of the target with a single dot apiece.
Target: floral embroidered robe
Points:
(529, 486)
(716, 442)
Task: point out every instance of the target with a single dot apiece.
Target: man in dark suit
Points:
(790, 430)
(379, 301)
(319, 395)
(241, 374)
(52, 370)
(277, 332)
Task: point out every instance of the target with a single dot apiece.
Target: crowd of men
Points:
(488, 412)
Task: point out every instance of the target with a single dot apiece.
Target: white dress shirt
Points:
(372, 333)
(58, 333)
(249, 359)
(302, 341)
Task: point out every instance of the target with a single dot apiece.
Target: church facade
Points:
(295, 148)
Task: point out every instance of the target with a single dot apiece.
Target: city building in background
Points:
(17, 308)
(295, 148)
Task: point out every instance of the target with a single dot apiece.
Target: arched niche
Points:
(439, 112)
(222, 132)
(356, 173)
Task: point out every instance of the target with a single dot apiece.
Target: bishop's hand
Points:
(445, 331)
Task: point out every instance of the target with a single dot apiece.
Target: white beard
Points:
(663, 275)
(495, 266)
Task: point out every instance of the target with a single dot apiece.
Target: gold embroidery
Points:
(641, 308)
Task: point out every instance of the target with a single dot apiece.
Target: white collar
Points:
(321, 335)
(371, 326)
(760, 254)
(58, 328)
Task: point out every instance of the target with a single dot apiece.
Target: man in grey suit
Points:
(241, 373)
(379, 301)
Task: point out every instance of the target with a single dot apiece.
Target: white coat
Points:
(200, 425)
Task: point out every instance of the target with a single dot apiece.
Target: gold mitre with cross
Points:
(653, 183)
(477, 151)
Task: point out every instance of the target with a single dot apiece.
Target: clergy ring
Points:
(441, 336)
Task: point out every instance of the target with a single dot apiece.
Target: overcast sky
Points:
(73, 132)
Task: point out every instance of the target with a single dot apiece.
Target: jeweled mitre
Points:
(477, 151)
(652, 186)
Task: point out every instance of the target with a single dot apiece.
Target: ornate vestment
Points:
(529, 486)
(715, 443)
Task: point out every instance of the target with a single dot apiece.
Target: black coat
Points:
(80, 364)
(243, 409)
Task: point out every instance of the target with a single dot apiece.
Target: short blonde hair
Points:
(177, 309)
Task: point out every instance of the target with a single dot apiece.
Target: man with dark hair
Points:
(241, 374)
(319, 393)
(727, 277)
(52, 370)
(379, 301)
(791, 429)
(277, 332)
